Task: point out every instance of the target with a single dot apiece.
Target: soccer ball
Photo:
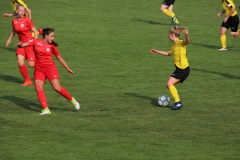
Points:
(163, 100)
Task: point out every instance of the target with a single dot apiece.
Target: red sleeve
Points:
(55, 51)
(32, 42)
(30, 23)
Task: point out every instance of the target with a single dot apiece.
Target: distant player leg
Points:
(168, 11)
(223, 38)
(23, 69)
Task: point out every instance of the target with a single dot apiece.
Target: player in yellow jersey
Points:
(166, 8)
(182, 71)
(230, 21)
(14, 4)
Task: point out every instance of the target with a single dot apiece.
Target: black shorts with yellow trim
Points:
(181, 74)
(168, 2)
(232, 22)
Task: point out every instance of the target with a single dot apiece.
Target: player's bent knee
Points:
(38, 88)
(57, 89)
(31, 64)
(20, 62)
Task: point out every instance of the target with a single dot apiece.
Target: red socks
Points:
(43, 100)
(65, 93)
(24, 71)
(41, 97)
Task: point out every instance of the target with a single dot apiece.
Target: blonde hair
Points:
(176, 30)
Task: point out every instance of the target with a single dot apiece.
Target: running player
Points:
(14, 4)
(23, 27)
(166, 8)
(230, 21)
(45, 68)
(181, 62)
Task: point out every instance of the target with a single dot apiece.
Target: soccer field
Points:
(117, 81)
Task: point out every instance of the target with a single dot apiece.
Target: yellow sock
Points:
(223, 41)
(170, 14)
(174, 93)
(167, 12)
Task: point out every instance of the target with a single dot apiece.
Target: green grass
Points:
(117, 81)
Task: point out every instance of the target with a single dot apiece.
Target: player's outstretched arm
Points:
(12, 34)
(64, 64)
(154, 51)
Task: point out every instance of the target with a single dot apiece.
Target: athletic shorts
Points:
(168, 2)
(51, 73)
(181, 74)
(232, 22)
(27, 52)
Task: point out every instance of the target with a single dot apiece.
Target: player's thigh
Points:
(20, 59)
(53, 77)
(30, 55)
(39, 75)
(234, 23)
(172, 81)
(52, 73)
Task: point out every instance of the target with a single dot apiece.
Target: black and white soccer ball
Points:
(163, 100)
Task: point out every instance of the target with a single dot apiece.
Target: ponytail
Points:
(176, 30)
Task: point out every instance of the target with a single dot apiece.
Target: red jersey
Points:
(23, 28)
(43, 53)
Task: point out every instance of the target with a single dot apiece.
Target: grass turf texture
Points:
(118, 82)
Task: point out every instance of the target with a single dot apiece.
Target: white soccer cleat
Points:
(223, 49)
(45, 111)
(75, 103)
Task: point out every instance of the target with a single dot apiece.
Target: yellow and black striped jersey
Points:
(227, 5)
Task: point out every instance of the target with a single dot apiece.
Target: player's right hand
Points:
(8, 42)
(153, 51)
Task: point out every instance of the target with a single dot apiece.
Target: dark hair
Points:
(47, 31)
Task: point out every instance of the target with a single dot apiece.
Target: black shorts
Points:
(232, 22)
(168, 2)
(181, 74)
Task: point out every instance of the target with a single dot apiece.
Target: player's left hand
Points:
(186, 32)
(225, 19)
(71, 72)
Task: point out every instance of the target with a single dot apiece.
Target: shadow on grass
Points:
(213, 46)
(10, 78)
(9, 49)
(21, 102)
(153, 101)
(149, 22)
(26, 104)
(218, 73)
(207, 45)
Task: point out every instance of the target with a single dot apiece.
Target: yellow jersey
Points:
(227, 5)
(17, 2)
(180, 54)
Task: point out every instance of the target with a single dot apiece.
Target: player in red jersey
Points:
(45, 68)
(23, 27)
